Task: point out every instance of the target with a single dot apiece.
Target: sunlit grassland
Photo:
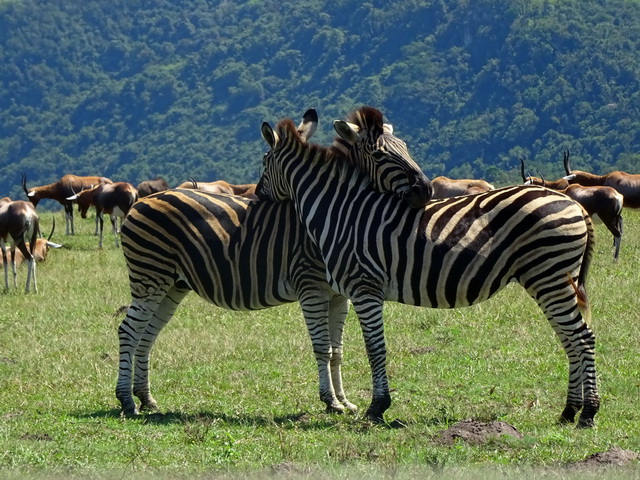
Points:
(238, 390)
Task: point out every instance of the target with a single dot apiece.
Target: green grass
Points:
(238, 390)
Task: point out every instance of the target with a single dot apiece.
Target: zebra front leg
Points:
(369, 311)
(315, 308)
(338, 309)
(161, 316)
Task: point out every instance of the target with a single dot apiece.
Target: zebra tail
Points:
(580, 288)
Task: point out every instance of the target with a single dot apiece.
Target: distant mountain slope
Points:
(132, 89)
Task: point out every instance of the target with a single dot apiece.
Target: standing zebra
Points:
(451, 253)
(244, 255)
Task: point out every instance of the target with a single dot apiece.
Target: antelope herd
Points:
(602, 196)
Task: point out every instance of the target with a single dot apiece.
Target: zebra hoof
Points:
(586, 419)
(377, 419)
(586, 423)
(569, 414)
(130, 412)
(350, 407)
(129, 408)
(336, 408)
(149, 406)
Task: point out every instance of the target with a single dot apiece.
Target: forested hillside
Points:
(132, 89)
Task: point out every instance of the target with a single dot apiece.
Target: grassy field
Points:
(238, 390)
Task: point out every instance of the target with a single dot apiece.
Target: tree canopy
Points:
(132, 89)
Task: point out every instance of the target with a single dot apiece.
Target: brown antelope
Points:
(603, 204)
(152, 186)
(114, 199)
(62, 189)
(444, 187)
(220, 186)
(41, 249)
(627, 184)
(18, 222)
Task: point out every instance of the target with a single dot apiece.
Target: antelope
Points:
(152, 186)
(41, 249)
(603, 204)
(68, 185)
(444, 187)
(18, 222)
(220, 186)
(114, 199)
(627, 184)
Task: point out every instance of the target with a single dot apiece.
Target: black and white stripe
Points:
(237, 254)
(451, 253)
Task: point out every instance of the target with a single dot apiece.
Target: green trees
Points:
(133, 89)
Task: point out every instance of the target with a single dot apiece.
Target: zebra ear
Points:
(347, 131)
(309, 124)
(387, 129)
(269, 135)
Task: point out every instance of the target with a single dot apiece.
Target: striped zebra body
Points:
(244, 255)
(236, 254)
(451, 253)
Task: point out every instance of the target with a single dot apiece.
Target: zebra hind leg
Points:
(130, 331)
(161, 316)
(578, 342)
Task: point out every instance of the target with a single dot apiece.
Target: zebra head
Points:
(374, 149)
(364, 141)
(288, 138)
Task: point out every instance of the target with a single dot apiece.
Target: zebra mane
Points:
(286, 128)
(367, 118)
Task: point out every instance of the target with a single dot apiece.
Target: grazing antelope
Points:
(114, 199)
(220, 186)
(68, 185)
(152, 186)
(627, 184)
(41, 249)
(18, 222)
(604, 204)
(444, 187)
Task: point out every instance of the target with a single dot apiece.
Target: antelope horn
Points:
(24, 182)
(565, 160)
(524, 178)
(542, 178)
(53, 229)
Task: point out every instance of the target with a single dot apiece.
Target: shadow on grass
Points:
(301, 420)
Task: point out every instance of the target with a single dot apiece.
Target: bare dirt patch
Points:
(477, 433)
(616, 457)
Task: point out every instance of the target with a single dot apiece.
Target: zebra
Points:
(450, 253)
(242, 254)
